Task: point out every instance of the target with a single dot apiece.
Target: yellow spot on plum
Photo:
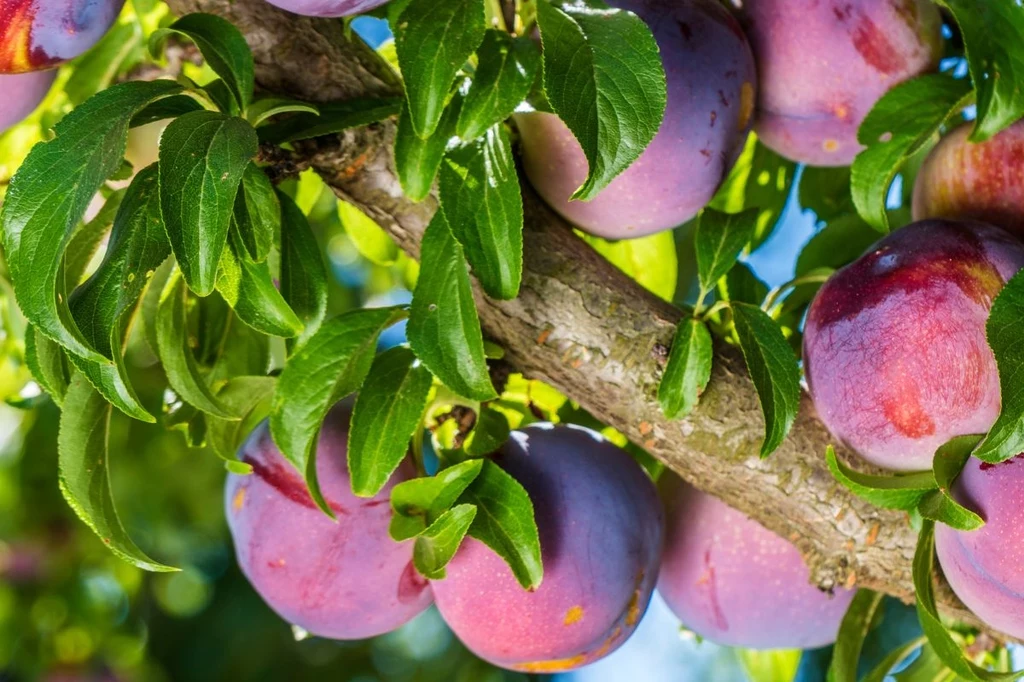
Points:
(574, 615)
(238, 500)
(746, 104)
(830, 145)
(554, 666)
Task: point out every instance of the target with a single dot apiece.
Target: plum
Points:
(984, 566)
(343, 580)
(42, 34)
(980, 181)
(601, 531)
(736, 583)
(327, 8)
(824, 63)
(895, 353)
(711, 94)
(24, 91)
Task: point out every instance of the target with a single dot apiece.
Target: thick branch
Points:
(585, 328)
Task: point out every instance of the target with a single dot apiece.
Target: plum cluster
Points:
(605, 543)
(37, 36)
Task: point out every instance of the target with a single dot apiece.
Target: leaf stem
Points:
(787, 287)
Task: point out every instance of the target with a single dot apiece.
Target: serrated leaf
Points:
(334, 117)
(993, 33)
(1006, 437)
(479, 191)
(719, 240)
(303, 275)
(651, 261)
(417, 160)
(506, 70)
(332, 364)
(433, 41)
(890, 491)
(742, 285)
(603, 77)
(386, 415)
(203, 156)
(241, 351)
(257, 212)
(899, 125)
(416, 503)
(262, 110)
(444, 330)
(223, 48)
(826, 191)
(47, 362)
(505, 522)
(176, 354)
(68, 171)
(489, 433)
(939, 505)
(436, 546)
(249, 289)
(688, 370)
(856, 624)
(369, 238)
(773, 369)
(86, 240)
(250, 398)
(84, 471)
(165, 108)
(844, 239)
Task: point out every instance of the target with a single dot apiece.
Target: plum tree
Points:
(823, 65)
(42, 34)
(734, 582)
(599, 569)
(327, 8)
(24, 93)
(982, 181)
(895, 353)
(711, 92)
(983, 565)
(344, 580)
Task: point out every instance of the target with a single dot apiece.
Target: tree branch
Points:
(590, 331)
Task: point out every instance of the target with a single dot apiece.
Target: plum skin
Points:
(327, 8)
(822, 65)
(983, 181)
(43, 34)
(983, 566)
(895, 352)
(711, 91)
(736, 583)
(344, 580)
(601, 532)
(23, 92)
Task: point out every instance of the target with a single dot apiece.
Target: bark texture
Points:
(587, 329)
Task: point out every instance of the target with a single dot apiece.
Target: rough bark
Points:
(585, 328)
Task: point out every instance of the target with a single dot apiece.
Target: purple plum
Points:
(327, 8)
(25, 91)
(601, 531)
(343, 580)
(42, 34)
(736, 583)
(711, 95)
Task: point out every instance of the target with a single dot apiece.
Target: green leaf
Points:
(68, 171)
(603, 77)
(505, 522)
(257, 212)
(896, 656)
(856, 624)
(416, 503)
(433, 41)
(386, 416)
(489, 433)
(86, 240)
(96, 69)
(844, 239)
(334, 117)
(176, 355)
(772, 367)
(993, 33)
(826, 191)
(249, 397)
(890, 491)
(332, 364)
(939, 505)
(203, 156)
(249, 289)
(223, 47)
(303, 275)
(505, 72)
(369, 238)
(742, 285)
(165, 108)
(436, 546)
(480, 196)
(719, 240)
(241, 351)
(418, 160)
(1006, 437)
(942, 643)
(688, 370)
(651, 261)
(266, 108)
(760, 179)
(47, 362)
(84, 471)
(899, 125)
(444, 330)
